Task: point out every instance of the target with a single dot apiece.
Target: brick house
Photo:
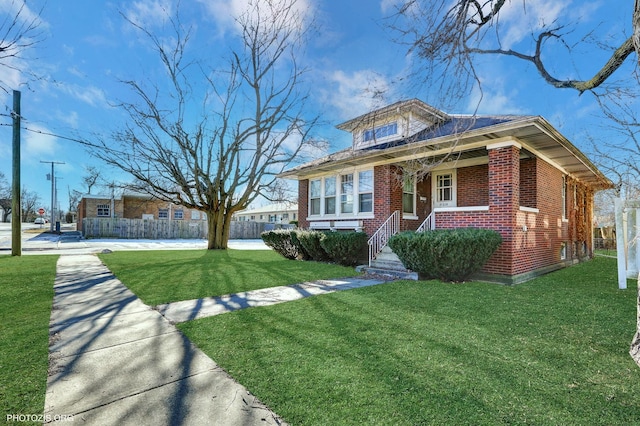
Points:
(132, 206)
(514, 174)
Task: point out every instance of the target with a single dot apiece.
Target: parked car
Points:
(39, 221)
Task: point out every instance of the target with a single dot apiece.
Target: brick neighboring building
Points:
(132, 206)
(514, 174)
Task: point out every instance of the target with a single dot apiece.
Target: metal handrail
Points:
(430, 221)
(379, 239)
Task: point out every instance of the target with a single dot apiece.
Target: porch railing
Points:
(380, 238)
(429, 223)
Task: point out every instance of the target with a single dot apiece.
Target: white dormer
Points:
(393, 122)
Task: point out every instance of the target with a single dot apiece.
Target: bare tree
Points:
(5, 197)
(217, 151)
(451, 36)
(20, 30)
(90, 179)
(30, 201)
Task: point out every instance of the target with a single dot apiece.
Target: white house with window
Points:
(413, 167)
(281, 213)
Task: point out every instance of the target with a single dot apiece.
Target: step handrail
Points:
(429, 223)
(379, 239)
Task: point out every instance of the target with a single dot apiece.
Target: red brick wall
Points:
(387, 196)
(303, 203)
(528, 182)
(473, 186)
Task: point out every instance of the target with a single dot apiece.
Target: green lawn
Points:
(550, 351)
(167, 276)
(26, 295)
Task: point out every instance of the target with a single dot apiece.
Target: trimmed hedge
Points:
(285, 242)
(345, 248)
(311, 241)
(447, 254)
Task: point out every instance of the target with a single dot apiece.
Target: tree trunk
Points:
(635, 343)
(218, 233)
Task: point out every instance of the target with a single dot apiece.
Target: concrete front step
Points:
(390, 273)
(389, 264)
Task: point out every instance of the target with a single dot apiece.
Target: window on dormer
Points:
(380, 132)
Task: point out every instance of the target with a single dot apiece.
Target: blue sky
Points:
(88, 47)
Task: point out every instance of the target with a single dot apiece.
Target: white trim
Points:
(462, 209)
(529, 209)
(504, 144)
(409, 216)
(454, 189)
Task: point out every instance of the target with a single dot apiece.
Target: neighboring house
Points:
(133, 206)
(514, 174)
(272, 213)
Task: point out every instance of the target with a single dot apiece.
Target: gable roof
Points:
(468, 135)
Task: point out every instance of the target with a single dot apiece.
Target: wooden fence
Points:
(155, 229)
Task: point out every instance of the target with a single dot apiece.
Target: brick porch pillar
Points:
(504, 202)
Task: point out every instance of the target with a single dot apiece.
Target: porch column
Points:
(504, 201)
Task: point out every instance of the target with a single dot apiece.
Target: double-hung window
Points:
(330, 195)
(409, 195)
(178, 214)
(163, 213)
(314, 197)
(342, 195)
(346, 193)
(365, 191)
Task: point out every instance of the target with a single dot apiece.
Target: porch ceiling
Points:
(536, 135)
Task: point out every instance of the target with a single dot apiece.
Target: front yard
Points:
(551, 351)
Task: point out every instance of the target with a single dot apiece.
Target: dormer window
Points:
(380, 132)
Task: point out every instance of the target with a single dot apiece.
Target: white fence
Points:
(155, 229)
(628, 239)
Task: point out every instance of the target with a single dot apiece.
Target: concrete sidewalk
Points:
(115, 361)
(200, 308)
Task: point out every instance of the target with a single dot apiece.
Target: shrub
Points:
(447, 254)
(285, 242)
(311, 241)
(345, 248)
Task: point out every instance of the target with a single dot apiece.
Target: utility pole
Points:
(53, 191)
(16, 204)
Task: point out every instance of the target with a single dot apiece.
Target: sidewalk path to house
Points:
(116, 361)
(188, 310)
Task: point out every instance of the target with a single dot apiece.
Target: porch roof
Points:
(468, 136)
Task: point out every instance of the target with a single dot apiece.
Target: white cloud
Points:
(520, 19)
(387, 6)
(38, 144)
(91, 95)
(358, 92)
(494, 99)
(149, 13)
(226, 12)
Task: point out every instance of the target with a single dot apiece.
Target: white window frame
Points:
(360, 192)
(348, 198)
(325, 197)
(378, 133)
(311, 198)
(437, 203)
(354, 196)
(178, 214)
(414, 188)
(105, 209)
(163, 214)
